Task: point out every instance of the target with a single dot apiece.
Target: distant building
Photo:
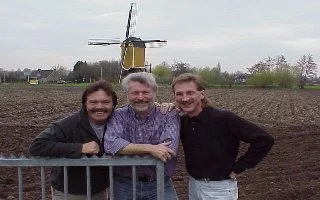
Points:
(45, 76)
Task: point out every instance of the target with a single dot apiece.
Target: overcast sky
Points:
(42, 33)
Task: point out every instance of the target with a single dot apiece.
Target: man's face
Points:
(141, 97)
(188, 98)
(99, 106)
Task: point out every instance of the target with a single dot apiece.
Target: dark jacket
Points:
(64, 138)
(211, 144)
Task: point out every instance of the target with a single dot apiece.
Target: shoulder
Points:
(220, 112)
(121, 111)
(217, 114)
(71, 119)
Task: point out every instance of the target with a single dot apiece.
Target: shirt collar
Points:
(203, 116)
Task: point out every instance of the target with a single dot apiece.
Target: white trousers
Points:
(213, 190)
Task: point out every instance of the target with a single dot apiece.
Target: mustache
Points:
(185, 103)
(100, 110)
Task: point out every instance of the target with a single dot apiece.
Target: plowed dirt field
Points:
(290, 171)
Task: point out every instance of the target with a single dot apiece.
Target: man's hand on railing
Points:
(90, 148)
(162, 151)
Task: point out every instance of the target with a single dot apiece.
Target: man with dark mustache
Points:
(77, 135)
(139, 128)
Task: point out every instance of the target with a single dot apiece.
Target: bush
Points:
(162, 74)
(284, 79)
(261, 80)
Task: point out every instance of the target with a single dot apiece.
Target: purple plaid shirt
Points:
(125, 127)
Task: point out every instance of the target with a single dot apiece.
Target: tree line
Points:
(82, 72)
(271, 71)
(266, 73)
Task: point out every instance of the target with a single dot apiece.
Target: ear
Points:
(202, 94)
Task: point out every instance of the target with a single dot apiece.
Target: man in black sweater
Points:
(211, 139)
(77, 135)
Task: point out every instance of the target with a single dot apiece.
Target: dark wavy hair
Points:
(99, 85)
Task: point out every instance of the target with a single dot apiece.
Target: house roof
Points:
(41, 73)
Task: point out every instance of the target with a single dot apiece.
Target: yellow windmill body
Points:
(134, 55)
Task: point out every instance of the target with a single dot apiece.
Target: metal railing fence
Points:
(108, 161)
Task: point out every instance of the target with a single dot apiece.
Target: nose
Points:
(184, 98)
(140, 96)
(99, 105)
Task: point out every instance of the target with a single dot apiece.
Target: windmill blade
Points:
(103, 41)
(155, 43)
(132, 20)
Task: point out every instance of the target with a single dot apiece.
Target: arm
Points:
(171, 130)
(168, 143)
(114, 136)
(160, 151)
(52, 142)
(260, 142)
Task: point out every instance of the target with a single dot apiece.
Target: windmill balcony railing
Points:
(22, 162)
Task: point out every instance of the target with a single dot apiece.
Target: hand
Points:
(233, 176)
(165, 107)
(90, 148)
(162, 151)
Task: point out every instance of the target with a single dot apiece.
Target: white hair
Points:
(141, 77)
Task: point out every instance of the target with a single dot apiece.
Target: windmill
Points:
(132, 57)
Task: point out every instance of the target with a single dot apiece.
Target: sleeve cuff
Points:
(116, 146)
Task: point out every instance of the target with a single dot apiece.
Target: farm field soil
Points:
(292, 117)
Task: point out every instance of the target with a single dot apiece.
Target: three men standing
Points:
(210, 137)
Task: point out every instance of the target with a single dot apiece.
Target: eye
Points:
(106, 102)
(190, 93)
(92, 102)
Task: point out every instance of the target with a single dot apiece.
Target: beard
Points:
(143, 107)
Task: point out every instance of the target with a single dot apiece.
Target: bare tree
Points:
(179, 68)
(280, 63)
(258, 68)
(62, 71)
(307, 69)
(269, 63)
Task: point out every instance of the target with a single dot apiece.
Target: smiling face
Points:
(188, 98)
(99, 106)
(141, 97)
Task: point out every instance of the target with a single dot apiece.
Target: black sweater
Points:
(64, 139)
(211, 144)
